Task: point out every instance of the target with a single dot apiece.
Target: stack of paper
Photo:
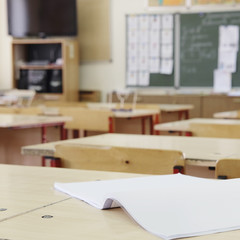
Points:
(169, 206)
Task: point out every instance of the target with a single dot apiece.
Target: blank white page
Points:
(169, 206)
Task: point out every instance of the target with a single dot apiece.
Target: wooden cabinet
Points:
(218, 103)
(204, 105)
(49, 66)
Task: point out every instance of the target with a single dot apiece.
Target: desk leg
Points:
(44, 140)
(76, 133)
(156, 121)
(143, 125)
(63, 133)
(55, 162)
(184, 113)
(110, 125)
(188, 134)
(44, 134)
(151, 124)
(43, 162)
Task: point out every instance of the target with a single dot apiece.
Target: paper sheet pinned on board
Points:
(132, 78)
(168, 206)
(228, 38)
(166, 66)
(154, 65)
(144, 78)
(227, 61)
(155, 22)
(222, 81)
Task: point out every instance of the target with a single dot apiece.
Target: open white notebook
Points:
(169, 206)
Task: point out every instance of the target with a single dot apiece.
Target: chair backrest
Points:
(21, 110)
(30, 110)
(6, 109)
(86, 119)
(119, 159)
(215, 130)
(227, 168)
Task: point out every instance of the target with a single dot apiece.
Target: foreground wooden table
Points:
(40, 212)
(198, 151)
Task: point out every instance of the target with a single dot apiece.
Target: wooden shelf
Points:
(40, 67)
(27, 50)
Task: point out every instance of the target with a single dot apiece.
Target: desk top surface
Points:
(19, 120)
(162, 107)
(184, 125)
(24, 188)
(71, 218)
(175, 107)
(227, 115)
(194, 148)
(146, 108)
(134, 113)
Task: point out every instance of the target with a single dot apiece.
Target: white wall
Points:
(111, 75)
(5, 50)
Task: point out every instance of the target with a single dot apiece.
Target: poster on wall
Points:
(157, 3)
(149, 47)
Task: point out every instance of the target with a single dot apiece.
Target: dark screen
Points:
(42, 18)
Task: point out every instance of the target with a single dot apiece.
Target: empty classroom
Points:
(127, 106)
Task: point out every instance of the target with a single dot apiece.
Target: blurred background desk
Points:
(228, 115)
(18, 130)
(203, 127)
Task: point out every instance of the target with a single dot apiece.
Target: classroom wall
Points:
(103, 76)
(5, 50)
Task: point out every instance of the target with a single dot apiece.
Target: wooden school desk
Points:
(119, 118)
(143, 112)
(181, 109)
(40, 212)
(19, 121)
(185, 125)
(25, 189)
(18, 130)
(200, 153)
(227, 115)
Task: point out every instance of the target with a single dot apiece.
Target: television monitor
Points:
(42, 18)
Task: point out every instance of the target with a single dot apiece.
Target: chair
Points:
(227, 168)
(215, 130)
(21, 110)
(87, 119)
(119, 159)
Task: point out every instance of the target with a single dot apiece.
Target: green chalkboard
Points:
(199, 47)
(163, 80)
